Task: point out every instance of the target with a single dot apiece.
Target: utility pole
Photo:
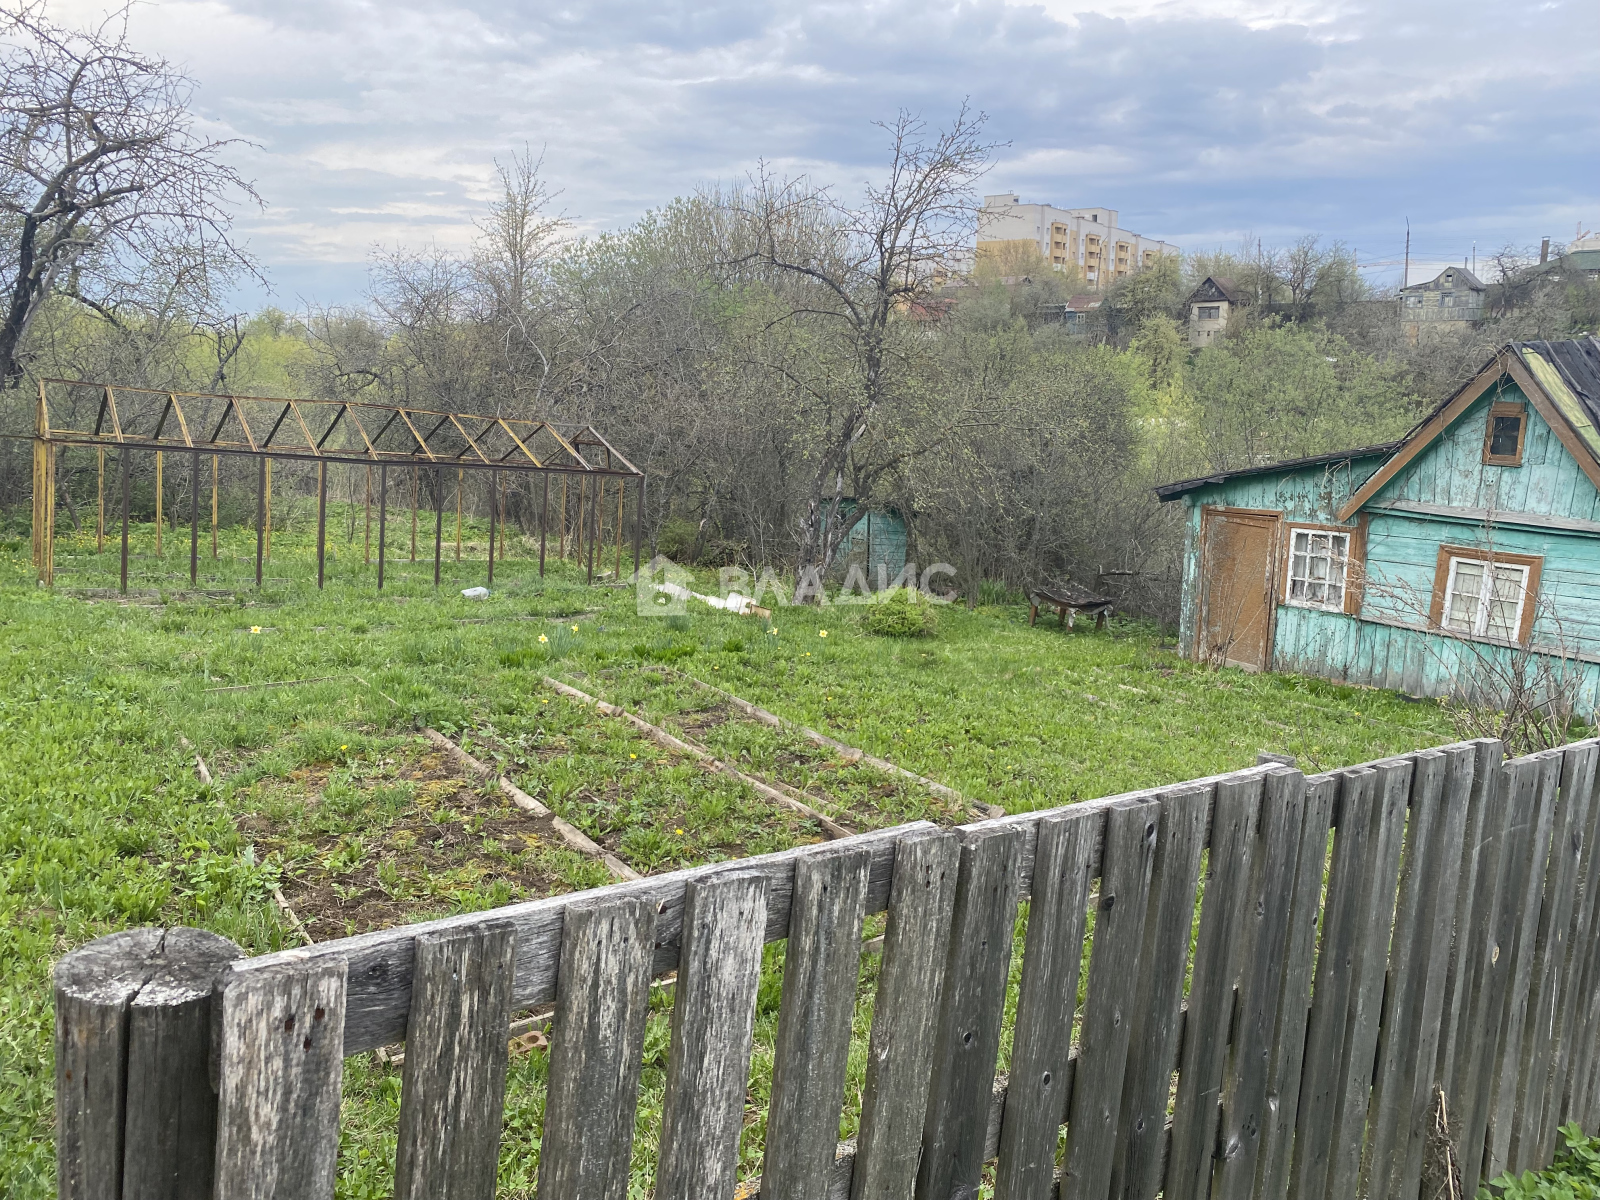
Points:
(1405, 279)
(1259, 268)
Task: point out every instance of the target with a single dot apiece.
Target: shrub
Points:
(1575, 1174)
(902, 613)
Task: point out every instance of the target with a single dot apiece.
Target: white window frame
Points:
(1290, 578)
(1480, 618)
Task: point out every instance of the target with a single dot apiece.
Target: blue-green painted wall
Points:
(1388, 645)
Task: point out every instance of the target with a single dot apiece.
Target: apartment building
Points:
(1090, 238)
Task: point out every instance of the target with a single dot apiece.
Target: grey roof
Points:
(1214, 287)
(1463, 278)
(1171, 491)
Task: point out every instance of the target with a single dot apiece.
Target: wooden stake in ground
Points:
(100, 499)
(366, 546)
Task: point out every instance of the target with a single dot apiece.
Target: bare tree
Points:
(859, 273)
(103, 175)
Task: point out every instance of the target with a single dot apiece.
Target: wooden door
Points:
(1239, 551)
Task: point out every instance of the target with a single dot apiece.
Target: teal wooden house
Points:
(1455, 562)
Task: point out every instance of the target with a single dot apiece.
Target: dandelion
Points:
(542, 638)
(344, 747)
(773, 632)
(544, 702)
(822, 633)
(679, 832)
(633, 756)
(574, 629)
(255, 629)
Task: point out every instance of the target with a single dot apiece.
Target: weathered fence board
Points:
(905, 1015)
(281, 1063)
(1342, 927)
(1036, 1092)
(454, 1086)
(813, 1048)
(968, 1039)
(602, 1002)
(1580, 953)
(1157, 1011)
(713, 1020)
(1217, 955)
(1294, 1004)
(1096, 1101)
(1531, 862)
(1244, 1104)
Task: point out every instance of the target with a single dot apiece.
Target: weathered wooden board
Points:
(1036, 1093)
(905, 1015)
(453, 1091)
(1342, 928)
(1217, 956)
(1572, 1035)
(821, 965)
(1529, 893)
(1275, 857)
(1369, 966)
(713, 1022)
(1294, 1005)
(602, 1003)
(281, 1064)
(1475, 1076)
(1571, 823)
(1157, 1013)
(135, 1113)
(971, 1010)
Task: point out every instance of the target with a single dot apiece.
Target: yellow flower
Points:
(679, 832)
(822, 633)
(633, 756)
(773, 632)
(255, 629)
(544, 702)
(574, 629)
(344, 747)
(542, 638)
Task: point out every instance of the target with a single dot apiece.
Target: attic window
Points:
(1502, 440)
(1210, 312)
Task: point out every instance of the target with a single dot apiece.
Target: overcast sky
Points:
(1203, 122)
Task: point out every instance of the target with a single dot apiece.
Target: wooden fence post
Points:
(135, 1113)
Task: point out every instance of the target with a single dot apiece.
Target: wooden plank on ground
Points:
(1393, 788)
(905, 1016)
(1275, 856)
(602, 1005)
(1294, 1005)
(454, 1088)
(971, 1011)
(1342, 929)
(1114, 968)
(1157, 1013)
(1514, 801)
(1036, 1092)
(713, 1021)
(1551, 955)
(281, 1064)
(1530, 879)
(821, 965)
(1217, 955)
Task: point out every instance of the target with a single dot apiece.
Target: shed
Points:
(1429, 565)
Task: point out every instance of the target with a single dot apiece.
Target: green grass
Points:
(325, 791)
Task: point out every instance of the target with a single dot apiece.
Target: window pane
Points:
(1508, 585)
(1503, 438)
(1461, 609)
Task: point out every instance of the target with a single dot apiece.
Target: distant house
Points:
(1074, 313)
(1451, 300)
(1210, 306)
(1420, 564)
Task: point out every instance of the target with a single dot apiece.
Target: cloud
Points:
(1202, 121)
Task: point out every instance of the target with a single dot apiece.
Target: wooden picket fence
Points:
(1392, 979)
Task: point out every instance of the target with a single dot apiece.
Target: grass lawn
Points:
(325, 791)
